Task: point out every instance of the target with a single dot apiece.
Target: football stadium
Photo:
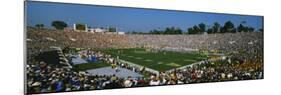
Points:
(105, 63)
(63, 58)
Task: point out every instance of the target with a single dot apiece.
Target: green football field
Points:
(161, 60)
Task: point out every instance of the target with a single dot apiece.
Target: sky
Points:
(127, 19)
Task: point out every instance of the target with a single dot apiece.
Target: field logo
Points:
(173, 64)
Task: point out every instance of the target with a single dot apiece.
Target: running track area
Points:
(122, 73)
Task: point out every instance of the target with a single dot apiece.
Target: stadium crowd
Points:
(42, 39)
(43, 77)
(244, 61)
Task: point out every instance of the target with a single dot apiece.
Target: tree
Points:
(248, 29)
(167, 30)
(112, 29)
(202, 27)
(251, 29)
(39, 26)
(134, 32)
(216, 27)
(261, 30)
(241, 28)
(196, 29)
(155, 31)
(80, 27)
(190, 31)
(229, 27)
(209, 30)
(178, 31)
(59, 24)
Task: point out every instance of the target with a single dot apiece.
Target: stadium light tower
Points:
(86, 28)
(74, 27)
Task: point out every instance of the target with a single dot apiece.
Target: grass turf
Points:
(161, 60)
